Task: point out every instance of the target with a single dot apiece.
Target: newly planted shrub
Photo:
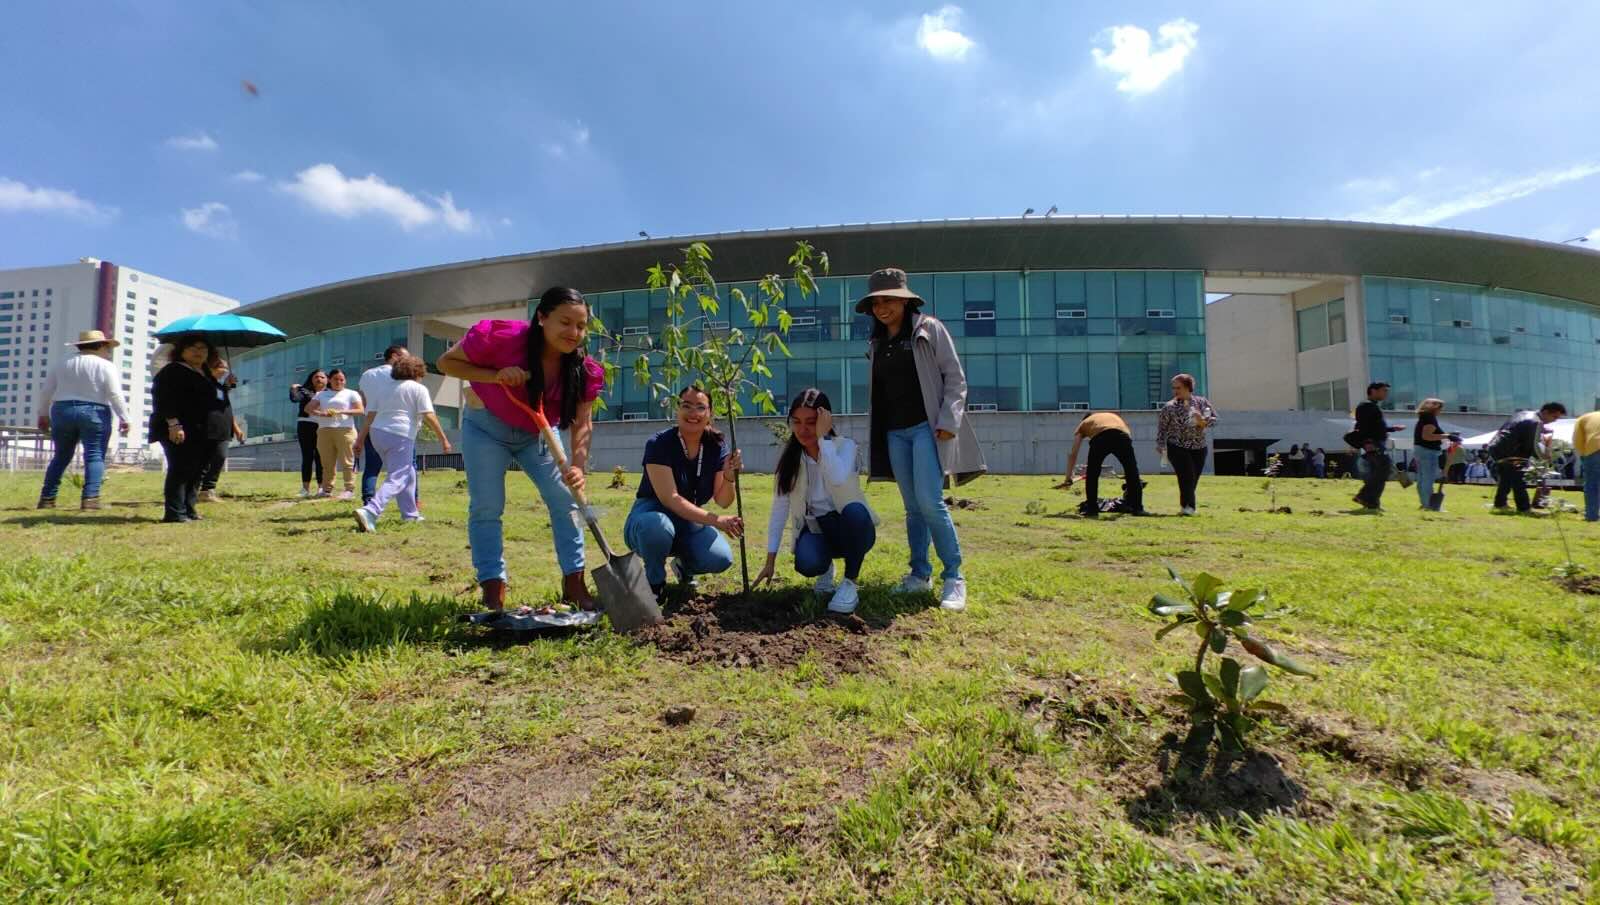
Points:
(1229, 698)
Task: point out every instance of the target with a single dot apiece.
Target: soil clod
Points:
(678, 715)
(763, 629)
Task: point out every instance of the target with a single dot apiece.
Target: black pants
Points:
(186, 462)
(1188, 464)
(306, 433)
(1120, 445)
(1378, 467)
(1512, 482)
(213, 470)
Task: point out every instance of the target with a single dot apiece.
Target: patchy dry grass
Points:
(267, 706)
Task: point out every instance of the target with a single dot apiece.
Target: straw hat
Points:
(94, 337)
(890, 281)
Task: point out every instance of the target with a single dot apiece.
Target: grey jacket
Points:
(944, 396)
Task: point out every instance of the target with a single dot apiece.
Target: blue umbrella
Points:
(229, 330)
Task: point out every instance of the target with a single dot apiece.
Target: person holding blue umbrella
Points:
(188, 417)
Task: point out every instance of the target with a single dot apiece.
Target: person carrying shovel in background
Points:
(543, 360)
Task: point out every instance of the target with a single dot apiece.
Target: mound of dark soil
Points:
(760, 630)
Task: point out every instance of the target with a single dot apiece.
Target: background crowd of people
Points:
(919, 437)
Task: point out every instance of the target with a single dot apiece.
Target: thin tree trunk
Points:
(738, 496)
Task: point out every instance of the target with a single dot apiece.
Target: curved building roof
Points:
(1244, 245)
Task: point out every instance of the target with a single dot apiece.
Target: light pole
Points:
(1575, 239)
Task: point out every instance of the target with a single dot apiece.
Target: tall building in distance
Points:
(42, 309)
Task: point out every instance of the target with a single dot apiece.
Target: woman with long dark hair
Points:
(305, 427)
(539, 363)
(188, 418)
(817, 492)
(685, 467)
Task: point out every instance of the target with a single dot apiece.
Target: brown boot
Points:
(574, 591)
(494, 594)
(90, 503)
(47, 502)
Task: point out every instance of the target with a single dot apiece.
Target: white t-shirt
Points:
(403, 409)
(376, 384)
(342, 399)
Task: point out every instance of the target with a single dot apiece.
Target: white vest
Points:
(842, 494)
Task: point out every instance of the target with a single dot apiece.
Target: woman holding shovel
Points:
(918, 426)
(510, 365)
(816, 490)
(685, 467)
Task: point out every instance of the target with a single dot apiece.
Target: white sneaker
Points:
(209, 496)
(348, 495)
(305, 493)
(366, 522)
(953, 596)
(825, 584)
(682, 576)
(845, 598)
(914, 584)
(1187, 510)
(415, 519)
(324, 494)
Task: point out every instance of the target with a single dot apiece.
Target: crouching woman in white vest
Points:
(818, 493)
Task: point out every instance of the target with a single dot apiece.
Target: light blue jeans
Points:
(914, 456)
(653, 532)
(74, 423)
(1591, 486)
(1427, 474)
(488, 447)
(398, 452)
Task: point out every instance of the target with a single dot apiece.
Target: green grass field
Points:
(268, 707)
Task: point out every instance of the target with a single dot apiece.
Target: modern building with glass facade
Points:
(1282, 322)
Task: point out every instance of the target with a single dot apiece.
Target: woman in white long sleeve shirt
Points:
(75, 405)
(817, 492)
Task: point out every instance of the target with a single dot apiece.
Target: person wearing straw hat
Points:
(919, 434)
(75, 405)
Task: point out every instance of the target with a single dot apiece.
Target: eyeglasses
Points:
(693, 408)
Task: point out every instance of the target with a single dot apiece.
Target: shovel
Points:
(625, 593)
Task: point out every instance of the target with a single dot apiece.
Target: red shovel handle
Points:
(551, 438)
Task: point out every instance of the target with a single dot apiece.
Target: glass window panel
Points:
(1341, 395)
(1008, 383)
(1007, 296)
(1133, 383)
(979, 287)
(830, 379)
(1312, 327)
(1336, 332)
(1158, 287)
(1071, 289)
(1188, 293)
(1101, 293)
(1103, 381)
(1130, 293)
(1042, 385)
(980, 379)
(949, 301)
(860, 397)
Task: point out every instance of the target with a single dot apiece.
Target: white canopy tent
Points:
(1561, 428)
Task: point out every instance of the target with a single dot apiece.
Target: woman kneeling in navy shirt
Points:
(685, 467)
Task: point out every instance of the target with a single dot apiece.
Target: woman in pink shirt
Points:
(539, 362)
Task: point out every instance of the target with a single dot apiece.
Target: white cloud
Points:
(326, 189)
(1145, 64)
(938, 34)
(16, 196)
(505, 221)
(572, 140)
(1593, 238)
(1365, 186)
(199, 141)
(211, 219)
(1418, 208)
(247, 176)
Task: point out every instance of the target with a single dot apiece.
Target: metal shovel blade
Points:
(625, 594)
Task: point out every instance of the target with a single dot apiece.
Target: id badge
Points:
(220, 394)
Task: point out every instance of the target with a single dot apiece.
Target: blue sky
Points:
(396, 135)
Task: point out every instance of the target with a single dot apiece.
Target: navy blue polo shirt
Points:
(665, 448)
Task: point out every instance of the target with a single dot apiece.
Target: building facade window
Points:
(1320, 325)
(1472, 346)
(1328, 396)
(262, 399)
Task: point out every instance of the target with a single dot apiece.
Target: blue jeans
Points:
(914, 457)
(1591, 486)
(846, 535)
(1427, 474)
(71, 424)
(488, 447)
(653, 532)
(371, 467)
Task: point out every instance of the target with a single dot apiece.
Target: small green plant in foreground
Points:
(1229, 698)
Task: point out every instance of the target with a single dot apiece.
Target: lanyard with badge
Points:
(699, 462)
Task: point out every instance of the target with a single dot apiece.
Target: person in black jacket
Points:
(1372, 436)
(301, 395)
(212, 473)
(188, 417)
(1517, 441)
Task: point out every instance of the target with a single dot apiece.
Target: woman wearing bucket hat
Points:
(75, 406)
(919, 433)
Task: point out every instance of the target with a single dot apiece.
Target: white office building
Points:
(44, 308)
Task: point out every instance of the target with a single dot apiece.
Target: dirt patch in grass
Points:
(1580, 584)
(1368, 750)
(761, 630)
